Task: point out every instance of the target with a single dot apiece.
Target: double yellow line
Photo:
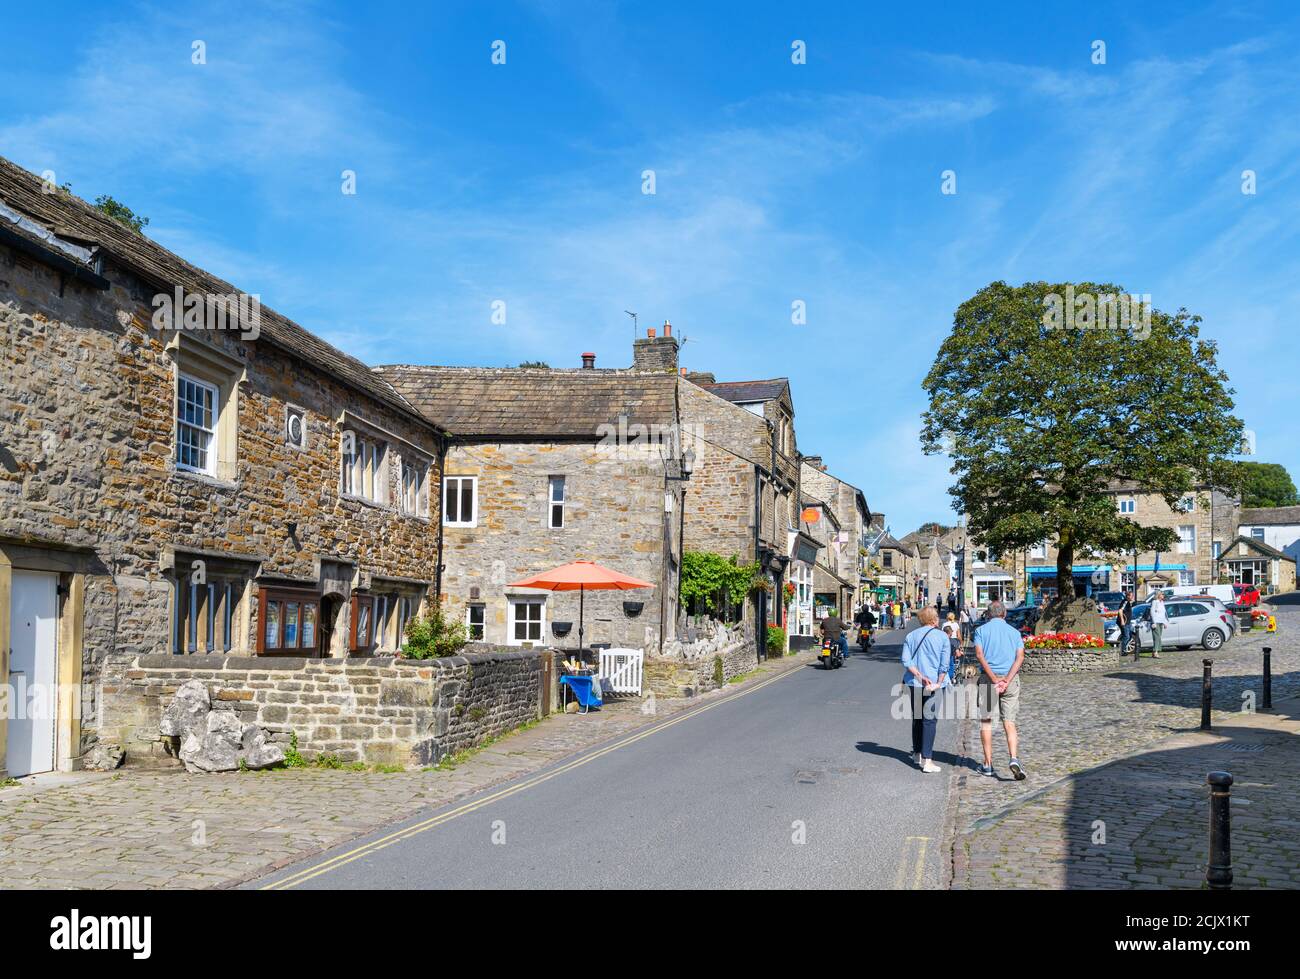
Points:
(365, 849)
(911, 863)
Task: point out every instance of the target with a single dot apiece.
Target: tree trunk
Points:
(1065, 566)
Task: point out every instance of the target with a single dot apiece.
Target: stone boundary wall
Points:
(1071, 660)
(380, 711)
(687, 678)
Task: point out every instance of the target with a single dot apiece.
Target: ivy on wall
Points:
(712, 583)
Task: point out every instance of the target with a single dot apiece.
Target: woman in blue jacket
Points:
(927, 669)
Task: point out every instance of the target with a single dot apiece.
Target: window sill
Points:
(374, 504)
(461, 526)
(207, 480)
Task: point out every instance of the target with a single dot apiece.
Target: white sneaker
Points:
(930, 768)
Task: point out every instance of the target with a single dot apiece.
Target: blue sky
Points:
(775, 182)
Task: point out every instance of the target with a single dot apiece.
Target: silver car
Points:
(1192, 622)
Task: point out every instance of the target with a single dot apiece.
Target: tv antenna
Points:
(634, 329)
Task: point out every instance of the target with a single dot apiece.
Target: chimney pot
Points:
(650, 332)
(588, 361)
(668, 329)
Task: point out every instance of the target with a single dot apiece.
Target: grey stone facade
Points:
(619, 511)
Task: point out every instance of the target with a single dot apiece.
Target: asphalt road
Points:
(718, 797)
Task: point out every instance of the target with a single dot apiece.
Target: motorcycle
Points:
(831, 656)
(864, 637)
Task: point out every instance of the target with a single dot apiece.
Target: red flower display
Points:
(1065, 640)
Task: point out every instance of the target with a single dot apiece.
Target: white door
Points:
(33, 664)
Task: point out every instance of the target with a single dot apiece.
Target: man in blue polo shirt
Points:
(1000, 650)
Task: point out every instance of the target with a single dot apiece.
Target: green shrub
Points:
(775, 641)
(292, 757)
(434, 635)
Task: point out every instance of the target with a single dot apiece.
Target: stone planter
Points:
(1071, 660)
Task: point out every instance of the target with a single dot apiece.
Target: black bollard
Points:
(1218, 872)
(1268, 677)
(1206, 695)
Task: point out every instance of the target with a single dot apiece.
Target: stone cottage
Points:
(844, 557)
(548, 466)
(183, 471)
(741, 500)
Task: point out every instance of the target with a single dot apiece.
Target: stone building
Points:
(842, 563)
(741, 499)
(1205, 520)
(548, 466)
(214, 481)
(1252, 561)
(891, 565)
(1278, 527)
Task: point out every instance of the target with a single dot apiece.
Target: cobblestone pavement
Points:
(1152, 800)
(168, 829)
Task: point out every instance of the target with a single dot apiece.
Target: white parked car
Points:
(1192, 622)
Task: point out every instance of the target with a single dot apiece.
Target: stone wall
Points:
(687, 668)
(379, 711)
(1071, 660)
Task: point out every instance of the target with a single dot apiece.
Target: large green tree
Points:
(1266, 484)
(1042, 414)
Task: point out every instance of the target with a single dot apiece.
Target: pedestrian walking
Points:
(1159, 619)
(965, 623)
(927, 670)
(1125, 619)
(952, 629)
(1000, 650)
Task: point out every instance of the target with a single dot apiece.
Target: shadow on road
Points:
(905, 757)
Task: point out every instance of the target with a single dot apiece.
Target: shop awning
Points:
(1080, 570)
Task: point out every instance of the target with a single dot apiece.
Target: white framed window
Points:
(1187, 504)
(1187, 577)
(555, 503)
(198, 406)
(475, 616)
(415, 497)
(1257, 533)
(1127, 504)
(460, 501)
(527, 621)
(1187, 538)
(1039, 551)
(364, 467)
(1216, 549)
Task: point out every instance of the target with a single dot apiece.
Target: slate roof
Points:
(1270, 516)
(743, 392)
(75, 221)
(1266, 549)
(888, 540)
(485, 402)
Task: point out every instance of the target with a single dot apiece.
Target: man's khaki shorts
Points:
(995, 707)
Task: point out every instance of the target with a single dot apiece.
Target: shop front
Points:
(993, 586)
(1089, 579)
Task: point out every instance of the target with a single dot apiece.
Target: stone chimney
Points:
(701, 377)
(588, 361)
(815, 462)
(655, 353)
